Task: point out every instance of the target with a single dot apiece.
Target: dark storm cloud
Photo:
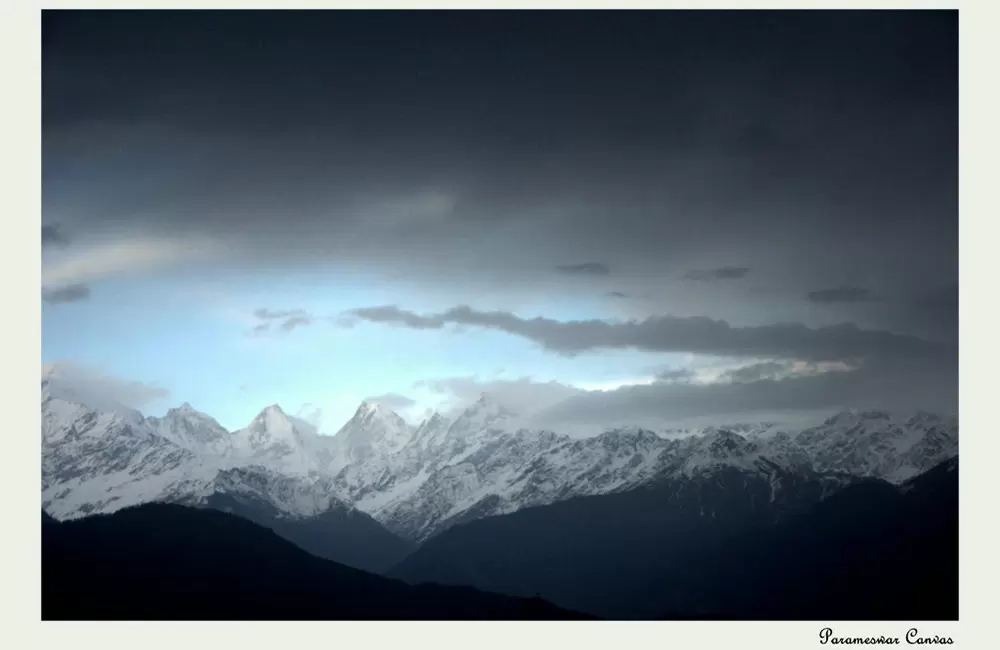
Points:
(672, 334)
(53, 236)
(755, 391)
(841, 294)
(69, 293)
(724, 273)
(617, 294)
(900, 385)
(937, 304)
(479, 149)
(799, 138)
(930, 311)
(586, 268)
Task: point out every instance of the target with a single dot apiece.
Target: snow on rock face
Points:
(483, 416)
(292, 497)
(446, 487)
(385, 462)
(285, 444)
(79, 442)
(719, 449)
(98, 462)
(876, 444)
(55, 386)
(393, 473)
(612, 461)
(431, 431)
(497, 479)
(271, 426)
(375, 431)
(192, 429)
(419, 481)
(505, 471)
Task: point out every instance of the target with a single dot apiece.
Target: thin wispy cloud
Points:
(102, 260)
(52, 235)
(284, 320)
(585, 268)
(522, 396)
(289, 324)
(724, 273)
(69, 293)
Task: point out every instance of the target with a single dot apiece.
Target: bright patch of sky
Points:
(193, 338)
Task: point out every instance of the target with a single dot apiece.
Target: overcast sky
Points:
(596, 217)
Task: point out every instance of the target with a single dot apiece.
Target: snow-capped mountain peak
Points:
(483, 415)
(418, 481)
(273, 423)
(56, 386)
(375, 430)
(926, 420)
(371, 412)
(191, 429)
(275, 439)
(434, 421)
(722, 448)
(186, 411)
(431, 430)
(367, 408)
(272, 410)
(723, 442)
(637, 434)
(874, 443)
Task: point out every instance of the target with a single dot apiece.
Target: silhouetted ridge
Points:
(345, 535)
(728, 546)
(169, 562)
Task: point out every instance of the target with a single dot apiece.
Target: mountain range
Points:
(386, 497)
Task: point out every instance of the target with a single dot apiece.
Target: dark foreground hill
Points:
(721, 548)
(871, 552)
(344, 535)
(170, 562)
